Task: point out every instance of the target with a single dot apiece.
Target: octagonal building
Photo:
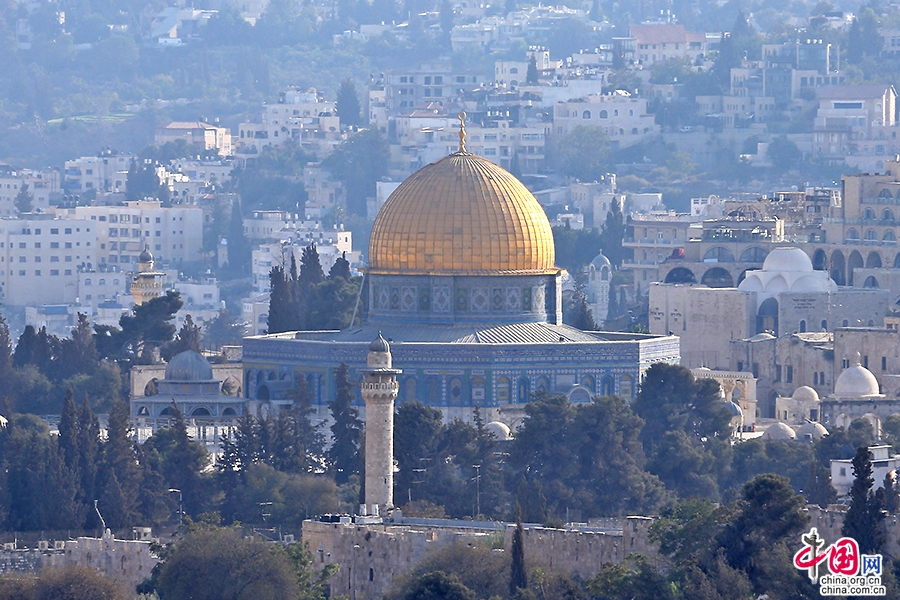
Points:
(462, 281)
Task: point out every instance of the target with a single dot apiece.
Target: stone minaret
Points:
(379, 390)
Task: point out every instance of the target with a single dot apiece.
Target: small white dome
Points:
(805, 393)
(811, 428)
(499, 430)
(856, 382)
(779, 431)
(787, 259)
(600, 261)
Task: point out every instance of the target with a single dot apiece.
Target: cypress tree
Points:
(347, 105)
(531, 76)
(6, 359)
(311, 273)
(279, 302)
(89, 450)
(518, 577)
(344, 452)
(185, 474)
(863, 519)
(120, 463)
(68, 431)
(25, 347)
(340, 268)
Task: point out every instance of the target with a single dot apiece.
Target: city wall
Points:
(371, 556)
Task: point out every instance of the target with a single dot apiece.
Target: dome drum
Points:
(465, 299)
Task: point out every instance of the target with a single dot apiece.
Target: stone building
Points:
(463, 284)
(599, 277)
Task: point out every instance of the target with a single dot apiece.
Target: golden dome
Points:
(461, 215)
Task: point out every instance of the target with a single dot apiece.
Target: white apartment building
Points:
(108, 173)
(97, 286)
(299, 116)
(655, 43)
(622, 116)
(278, 225)
(41, 185)
(40, 256)
(204, 135)
(173, 234)
(207, 171)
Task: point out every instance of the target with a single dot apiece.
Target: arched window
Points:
(887, 215)
(889, 236)
(543, 384)
(634, 130)
(433, 390)
(616, 113)
(885, 193)
(802, 325)
(869, 214)
(514, 71)
(852, 234)
(102, 282)
(522, 391)
(630, 112)
(143, 412)
(87, 281)
(455, 389)
(753, 254)
(718, 254)
(503, 390)
(815, 378)
(824, 325)
(409, 390)
(607, 386)
(588, 382)
(603, 114)
(586, 114)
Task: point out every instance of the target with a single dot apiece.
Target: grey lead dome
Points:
(189, 366)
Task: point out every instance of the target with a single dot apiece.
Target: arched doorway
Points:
(838, 267)
(873, 261)
(820, 260)
(871, 282)
(680, 275)
(855, 261)
(717, 277)
(262, 393)
(767, 317)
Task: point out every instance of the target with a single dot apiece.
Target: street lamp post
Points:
(180, 504)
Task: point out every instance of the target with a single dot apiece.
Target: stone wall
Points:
(126, 562)
(371, 556)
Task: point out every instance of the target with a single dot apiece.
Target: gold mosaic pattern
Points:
(462, 215)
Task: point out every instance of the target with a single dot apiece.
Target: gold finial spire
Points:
(462, 130)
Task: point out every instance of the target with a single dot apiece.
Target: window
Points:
(55, 231)
(865, 361)
(68, 244)
(789, 377)
(68, 230)
(21, 244)
(37, 273)
(54, 272)
(586, 114)
(740, 366)
(884, 363)
(54, 245)
(37, 259)
(777, 372)
(37, 244)
(54, 258)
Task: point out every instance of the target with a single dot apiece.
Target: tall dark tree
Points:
(863, 520)
(345, 431)
(518, 576)
(188, 338)
(311, 273)
(359, 163)
(89, 451)
(348, 108)
(239, 250)
(281, 306)
(340, 268)
(26, 347)
(6, 356)
(121, 476)
(891, 494)
(818, 488)
(612, 235)
(417, 432)
(531, 76)
(24, 200)
(582, 318)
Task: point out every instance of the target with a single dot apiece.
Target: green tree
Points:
(219, 563)
(119, 503)
(438, 585)
(686, 531)
(768, 515)
(863, 519)
(143, 181)
(783, 154)
(62, 583)
(581, 317)
(818, 488)
(282, 315)
(181, 462)
(359, 163)
(239, 250)
(584, 153)
(24, 200)
(531, 76)
(223, 330)
(518, 576)
(612, 235)
(634, 579)
(345, 431)
(348, 108)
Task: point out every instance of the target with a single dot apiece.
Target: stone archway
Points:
(680, 275)
(717, 277)
(873, 261)
(839, 267)
(855, 261)
(820, 260)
